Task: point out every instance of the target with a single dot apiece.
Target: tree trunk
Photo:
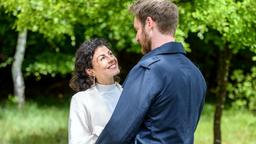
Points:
(221, 91)
(18, 81)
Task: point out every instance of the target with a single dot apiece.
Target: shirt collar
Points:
(167, 48)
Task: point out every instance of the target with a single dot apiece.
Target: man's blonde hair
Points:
(163, 12)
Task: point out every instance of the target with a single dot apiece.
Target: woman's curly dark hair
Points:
(81, 80)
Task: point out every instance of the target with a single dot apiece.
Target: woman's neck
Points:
(106, 82)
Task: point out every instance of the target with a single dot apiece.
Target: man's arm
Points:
(132, 106)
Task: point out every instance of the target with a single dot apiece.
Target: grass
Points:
(33, 124)
(238, 127)
(47, 124)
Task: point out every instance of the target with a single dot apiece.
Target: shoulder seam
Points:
(148, 62)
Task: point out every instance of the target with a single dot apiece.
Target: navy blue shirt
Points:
(161, 101)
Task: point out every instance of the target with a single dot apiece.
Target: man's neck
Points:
(161, 39)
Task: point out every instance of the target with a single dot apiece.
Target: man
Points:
(164, 93)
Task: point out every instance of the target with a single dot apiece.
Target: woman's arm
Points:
(79, 129)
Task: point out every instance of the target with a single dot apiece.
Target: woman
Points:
(97, 92)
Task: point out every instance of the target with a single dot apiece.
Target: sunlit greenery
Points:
(56, 28)
(238, 126)
(40, 124)
(242, 89)
(33, 124)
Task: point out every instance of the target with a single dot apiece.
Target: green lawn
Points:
(37, 124)
(33, 125)
(238, 127)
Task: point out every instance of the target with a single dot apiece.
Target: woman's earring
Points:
(93, 80)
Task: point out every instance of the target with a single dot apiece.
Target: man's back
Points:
(174, 112)
(161, 101)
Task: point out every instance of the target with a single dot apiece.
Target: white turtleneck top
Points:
(90, 111)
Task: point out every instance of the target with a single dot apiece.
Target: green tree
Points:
(48, 17)
(242, 90)
(17, 76)
(230, 25)
(58, 19)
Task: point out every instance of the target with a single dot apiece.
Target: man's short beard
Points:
(145, 43)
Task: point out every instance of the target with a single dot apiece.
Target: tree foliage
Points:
(79, 20)
(230, 26)
(58, 27)
(225, 23)
(242, 90)
(233, 20)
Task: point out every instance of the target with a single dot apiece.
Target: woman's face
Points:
(105, 65)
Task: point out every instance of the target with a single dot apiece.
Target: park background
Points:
(38, 40)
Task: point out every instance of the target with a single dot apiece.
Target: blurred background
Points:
(38, 40)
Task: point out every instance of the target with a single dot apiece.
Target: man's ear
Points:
(90, 72)
(150, 22)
